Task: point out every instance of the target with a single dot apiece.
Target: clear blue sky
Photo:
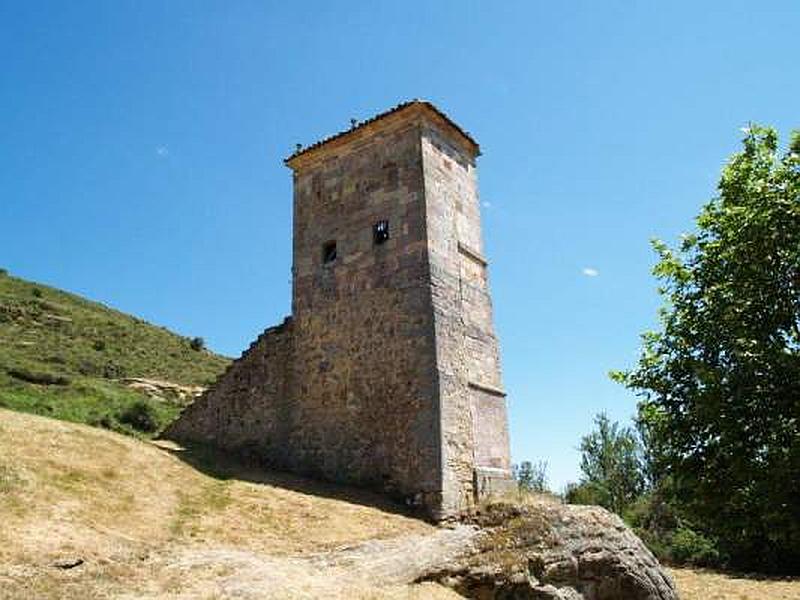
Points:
(141, 148)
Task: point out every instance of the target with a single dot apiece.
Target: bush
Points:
(38, 377)
(3, 272)
(692, 548)
(104, 421)
(37, 293)
(668, 533)
(141, 416)
(89, 368)
(588, 493)
(99, 345)
(112, 370)
(197, 343)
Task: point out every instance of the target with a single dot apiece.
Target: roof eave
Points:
(304, 155)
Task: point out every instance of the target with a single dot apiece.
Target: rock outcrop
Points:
(550, 551)
(164, 390)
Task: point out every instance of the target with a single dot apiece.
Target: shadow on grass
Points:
(225, 465)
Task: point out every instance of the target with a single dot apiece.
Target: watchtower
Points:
(387, 374)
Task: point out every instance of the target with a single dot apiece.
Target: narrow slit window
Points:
(329, 252)
(381, 232)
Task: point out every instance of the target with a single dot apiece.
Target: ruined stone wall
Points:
(473, 405)
(249, 406)
(365, 373)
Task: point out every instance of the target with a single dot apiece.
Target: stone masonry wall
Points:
(387, 374)
(473, 405)
(365, 367)
(249, 406)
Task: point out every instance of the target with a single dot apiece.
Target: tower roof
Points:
(411, 105)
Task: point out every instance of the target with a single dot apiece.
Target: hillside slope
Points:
(64, 356)
(147, 524)
(88, 513)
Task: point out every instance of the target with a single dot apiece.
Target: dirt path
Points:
(374, 569)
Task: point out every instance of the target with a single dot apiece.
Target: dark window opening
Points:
(381, 231)
(329, 252)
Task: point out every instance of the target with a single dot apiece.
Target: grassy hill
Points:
(64, 356)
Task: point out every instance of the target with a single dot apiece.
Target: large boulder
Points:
(551, 551)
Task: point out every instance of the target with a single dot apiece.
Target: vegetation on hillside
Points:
(64, 356)
(719, 417)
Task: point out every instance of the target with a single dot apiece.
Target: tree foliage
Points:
(720, 381)
(611, 467)
(531, 477)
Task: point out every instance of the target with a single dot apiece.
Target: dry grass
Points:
(142, 519)
(69, 490)
(707, 585)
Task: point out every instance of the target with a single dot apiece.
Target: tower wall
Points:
(473, 413)
(249, 406)
(366, 390)
(388, 373)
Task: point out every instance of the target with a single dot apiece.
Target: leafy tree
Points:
(531, 477)
(720, 381)
(611, 466)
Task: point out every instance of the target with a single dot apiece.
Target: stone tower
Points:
(387, 373)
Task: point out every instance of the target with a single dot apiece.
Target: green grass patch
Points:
(93, 402)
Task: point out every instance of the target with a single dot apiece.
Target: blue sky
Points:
(142, 145)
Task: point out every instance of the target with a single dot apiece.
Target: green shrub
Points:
(668, 533)
(86, 367)
(99, 345)
(37, 293)
(3, 272)
(197, 343)
(689, 547)
(531, 477)
(142, 416)
(587, 493)
(38, 377)
(104, 421)
(113, 370)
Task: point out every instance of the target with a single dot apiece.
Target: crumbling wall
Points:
(249, 408)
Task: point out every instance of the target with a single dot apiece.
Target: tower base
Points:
(491, 482)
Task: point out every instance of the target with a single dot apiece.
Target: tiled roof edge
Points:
(378, 117)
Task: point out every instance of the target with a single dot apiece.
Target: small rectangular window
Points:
(329, 252)
(381, 232)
